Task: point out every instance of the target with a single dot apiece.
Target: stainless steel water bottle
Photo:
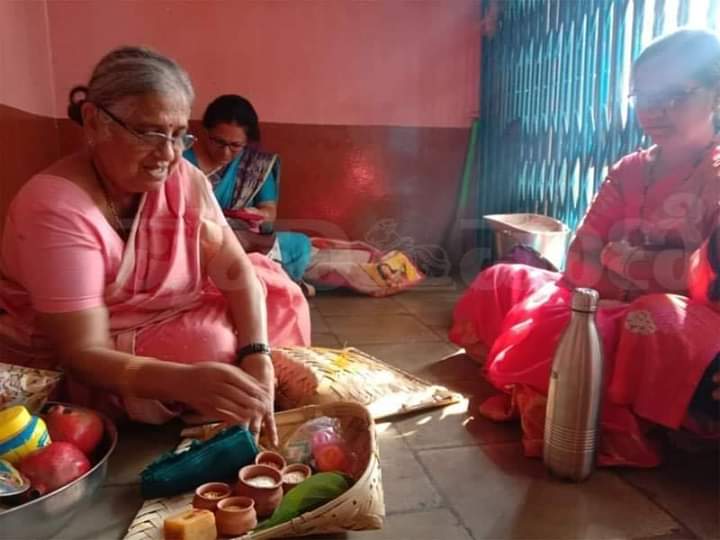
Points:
(573, 403)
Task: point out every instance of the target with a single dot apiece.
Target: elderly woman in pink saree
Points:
(118, 266)
(642, 245)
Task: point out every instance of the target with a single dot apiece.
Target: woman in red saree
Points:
(118, 266)
(641, 245)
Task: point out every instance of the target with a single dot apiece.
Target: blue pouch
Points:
(215, 460)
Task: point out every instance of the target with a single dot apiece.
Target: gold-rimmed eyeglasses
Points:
(153, 139)
(222, 143)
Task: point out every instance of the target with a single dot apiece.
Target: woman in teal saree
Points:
(246, 180)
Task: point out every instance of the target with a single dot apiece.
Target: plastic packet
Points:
(321, 444)
(12, 482)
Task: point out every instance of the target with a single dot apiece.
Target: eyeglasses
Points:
(663, 100)
(222, 143)
(153, 139)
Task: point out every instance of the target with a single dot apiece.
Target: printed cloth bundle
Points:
(26, 386)
(360, 267)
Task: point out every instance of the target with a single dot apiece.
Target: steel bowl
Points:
(548, 236)
(45, 516)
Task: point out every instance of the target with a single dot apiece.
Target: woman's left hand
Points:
(260, 367)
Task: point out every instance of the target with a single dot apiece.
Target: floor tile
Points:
(499, 493)
(406, 485)
(411, 357)
(444, 284)
(107, 517)
(439, 524)
(317, 322)
(454, 425)
(341, 304)
(688, 487)
(436, 319)
(442, 333)
(329, 340)
(457, 368)
(429, 301)
(138, 445)
(385, 328)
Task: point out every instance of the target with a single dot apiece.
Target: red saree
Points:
(656, 347)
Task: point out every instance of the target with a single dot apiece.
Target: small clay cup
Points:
(271, 459)
(209, 495)
(295, 468)
(266, 498)
(235, 516)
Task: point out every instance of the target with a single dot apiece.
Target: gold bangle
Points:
(128, 377)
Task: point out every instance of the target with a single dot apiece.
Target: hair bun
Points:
(78, 96)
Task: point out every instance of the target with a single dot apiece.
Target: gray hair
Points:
(130, 71)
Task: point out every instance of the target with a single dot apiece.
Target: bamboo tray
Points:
(362, 507)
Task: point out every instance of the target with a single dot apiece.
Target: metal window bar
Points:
(554, 110)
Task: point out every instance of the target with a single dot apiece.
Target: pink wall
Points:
(401, 63)
(368, 103)
(26, 75)
(28, 142)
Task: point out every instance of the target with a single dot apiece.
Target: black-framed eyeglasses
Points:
(153, 139)
(662, 100)
(222, 143)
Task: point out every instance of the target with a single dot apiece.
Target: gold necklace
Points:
(118, 225)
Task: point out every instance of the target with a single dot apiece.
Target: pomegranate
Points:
(53, 466)
(80, 427)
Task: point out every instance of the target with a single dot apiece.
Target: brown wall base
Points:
(28, 144)
(354, 182)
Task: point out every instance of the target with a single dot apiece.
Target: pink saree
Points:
(657, 347)
(160, 300)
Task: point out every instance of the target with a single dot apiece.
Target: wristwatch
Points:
(252, 348)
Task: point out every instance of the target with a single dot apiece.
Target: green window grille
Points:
(554, 108)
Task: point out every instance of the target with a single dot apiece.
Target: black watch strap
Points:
(252, 348)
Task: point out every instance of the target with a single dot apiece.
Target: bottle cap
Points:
(584, 300)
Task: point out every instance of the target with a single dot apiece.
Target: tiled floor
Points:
(449, 474)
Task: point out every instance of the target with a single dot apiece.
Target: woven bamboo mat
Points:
(148, 523)
(352, 375)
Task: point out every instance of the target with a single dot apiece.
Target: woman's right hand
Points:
(224, 392)
(615, 256)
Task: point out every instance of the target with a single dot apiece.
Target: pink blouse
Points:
(58, 246)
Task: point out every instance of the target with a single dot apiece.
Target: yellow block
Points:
(192, 524)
